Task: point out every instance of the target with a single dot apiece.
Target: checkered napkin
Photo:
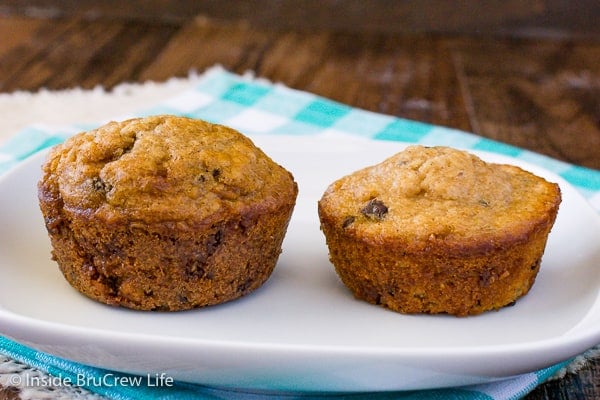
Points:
(257, 107)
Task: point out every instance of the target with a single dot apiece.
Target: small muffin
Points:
(438, 230)
(164, 213)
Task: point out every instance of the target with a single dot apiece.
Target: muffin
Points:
(438, 230)
(164, 213)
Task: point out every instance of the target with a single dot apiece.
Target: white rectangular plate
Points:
(303, 331)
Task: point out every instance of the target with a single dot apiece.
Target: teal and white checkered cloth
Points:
(258, 107)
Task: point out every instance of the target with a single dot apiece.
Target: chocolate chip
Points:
(113, 284)
(375, 209)
(244, 286)
(213, 242)
(348, 221)
(486, 278)
(194, 268)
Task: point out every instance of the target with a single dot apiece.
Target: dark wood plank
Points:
(29, 39)
(75, 52)
(9, 393)
(15, 31)
(547, 18)
(411, 77)
(541, 95)
(582, 386)
(538, 95)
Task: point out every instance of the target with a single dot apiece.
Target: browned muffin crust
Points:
(164, 213)
(437, 230)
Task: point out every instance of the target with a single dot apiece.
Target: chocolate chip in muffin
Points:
(348, 221)
(375, 209)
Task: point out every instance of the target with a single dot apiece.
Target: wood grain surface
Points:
(523, 18)
(542, 94)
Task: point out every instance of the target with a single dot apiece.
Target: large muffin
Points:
(438, 230)
(164, 213)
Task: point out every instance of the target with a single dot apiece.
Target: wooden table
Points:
(539, 94)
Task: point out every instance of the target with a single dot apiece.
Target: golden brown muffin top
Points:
(164, 168)
(426, 194)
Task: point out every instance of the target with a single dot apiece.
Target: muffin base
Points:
(459, 281)
(168, 266)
